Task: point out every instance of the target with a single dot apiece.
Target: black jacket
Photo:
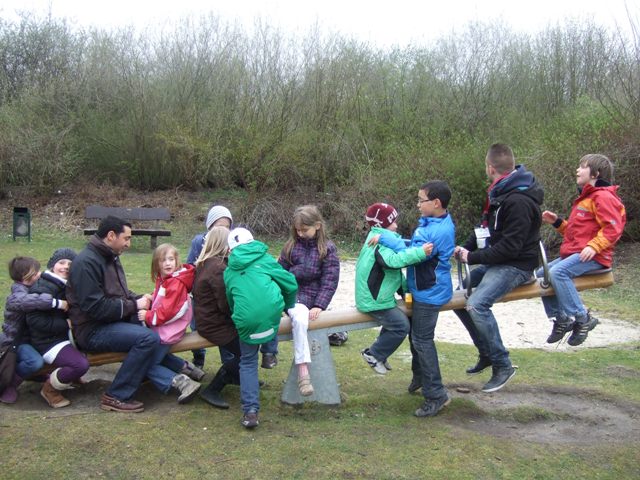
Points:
(97, 291)
(48, 327)
(514, 219)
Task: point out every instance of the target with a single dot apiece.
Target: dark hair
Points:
(111, 224)
(21, 268)
(599, 165)
(438, 189)
(500, 156)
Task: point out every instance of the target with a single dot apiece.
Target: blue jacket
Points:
(429, 281)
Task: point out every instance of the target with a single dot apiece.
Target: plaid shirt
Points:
(317, 279)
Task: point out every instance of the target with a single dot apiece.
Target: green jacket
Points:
(258, 291)
(379, 275)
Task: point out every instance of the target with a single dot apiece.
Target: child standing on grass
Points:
(50, 331)
(313, 259)
(24, 271)
(258, 291)
(430, 285)
(594, 226)
(378, 278)
(171, 310)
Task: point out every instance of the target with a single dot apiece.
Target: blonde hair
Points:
(159, 253)
(307, 216)
(215, 245)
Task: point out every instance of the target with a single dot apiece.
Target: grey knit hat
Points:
(216, 213)
(61, 254)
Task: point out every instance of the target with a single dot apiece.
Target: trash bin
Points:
(21, 222)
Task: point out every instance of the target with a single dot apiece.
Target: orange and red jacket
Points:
(596, 220)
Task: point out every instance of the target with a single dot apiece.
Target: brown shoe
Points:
(113, 404)
(53, 397)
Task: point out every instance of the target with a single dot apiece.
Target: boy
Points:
(430, 285)
(378, 278)
(595, 225)
(258, 291)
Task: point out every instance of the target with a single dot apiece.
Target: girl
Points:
(212, 312)
(50, 331)
(171, 310)
(313, 260)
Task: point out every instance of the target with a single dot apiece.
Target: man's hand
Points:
(427, 248)
(461, 254)
(143, 302)
(549, 217)
(587, 254)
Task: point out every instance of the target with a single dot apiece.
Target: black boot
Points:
(212, 394)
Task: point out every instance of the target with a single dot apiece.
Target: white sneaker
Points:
(377, 366)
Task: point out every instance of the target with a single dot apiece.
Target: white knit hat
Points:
(238, 236)
(217, 212)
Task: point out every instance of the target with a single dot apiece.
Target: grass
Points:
(373, 435)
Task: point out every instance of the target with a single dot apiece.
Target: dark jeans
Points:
(423, 324)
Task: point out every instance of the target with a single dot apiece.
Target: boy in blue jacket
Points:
(430, 285)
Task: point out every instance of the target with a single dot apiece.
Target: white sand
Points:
(523, 323)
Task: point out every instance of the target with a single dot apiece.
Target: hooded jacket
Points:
(258, 291)
(18, 304)
(597, 220)
(379, 273)
(429, 281)
(514, 219)
(171, 297)
(97, 291)
(48, 327)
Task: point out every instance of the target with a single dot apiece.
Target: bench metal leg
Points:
(322, 371)
(154, 242)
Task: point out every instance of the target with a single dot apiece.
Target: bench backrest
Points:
(138, 213)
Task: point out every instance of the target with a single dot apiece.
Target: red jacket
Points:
(171, 297)
(597, 219)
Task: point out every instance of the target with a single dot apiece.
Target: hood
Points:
(519, 181)
(601, 185)
(186, 275)
(245, 254)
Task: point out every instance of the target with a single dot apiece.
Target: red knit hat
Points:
(381, 215)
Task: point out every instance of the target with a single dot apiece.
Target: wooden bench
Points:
(322, 367)
(132, 214)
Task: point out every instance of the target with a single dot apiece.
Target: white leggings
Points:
(299, 325)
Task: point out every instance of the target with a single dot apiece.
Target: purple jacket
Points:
(18, 304)
(317, 279)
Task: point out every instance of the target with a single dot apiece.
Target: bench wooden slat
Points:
(154, 232)
(134, 213)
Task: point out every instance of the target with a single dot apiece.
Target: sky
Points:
(380, 22)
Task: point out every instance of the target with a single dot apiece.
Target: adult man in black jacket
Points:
(505, 246)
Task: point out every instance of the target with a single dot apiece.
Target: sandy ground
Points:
(523, 323)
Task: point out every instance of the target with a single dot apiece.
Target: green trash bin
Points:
(21, 222)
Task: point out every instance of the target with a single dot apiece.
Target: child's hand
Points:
(314, 312)
(587, 254)
(427, 248)
(142, 314)
(63, 305)
(373, 241)
(549, 217)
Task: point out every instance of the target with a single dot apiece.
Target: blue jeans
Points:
(143, 349)
(28, 361)
(566, 302)
(491, 283)
(395, 327)
(164, 368)
(423, 324)
(249, 386)
(270, 347)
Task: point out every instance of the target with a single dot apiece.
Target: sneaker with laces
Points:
(387, 365)
(430, 408)
(482, 363)
(500, 377)
(581, 330)
(560, 328)
(269, 360)
(415, 385)
(192, 371)
(250, 419)
(377, 366)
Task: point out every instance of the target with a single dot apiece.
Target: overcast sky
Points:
(380, 22)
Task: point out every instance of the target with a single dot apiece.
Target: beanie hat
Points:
(238, 236)
(61, 254)
(381, 215)
(217, 212)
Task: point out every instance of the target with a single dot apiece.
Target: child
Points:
(595, 225)
(258, 289)
(171, 310)
(213, 315)
(378, 278)
(50, 332)
(24, 271)
(218, 216)
(430, 285)
(313, 259)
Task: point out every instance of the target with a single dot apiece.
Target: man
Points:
(505, 246)
(103, 310)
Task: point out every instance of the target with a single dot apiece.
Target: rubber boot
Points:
(10, 393)
(212, 394)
